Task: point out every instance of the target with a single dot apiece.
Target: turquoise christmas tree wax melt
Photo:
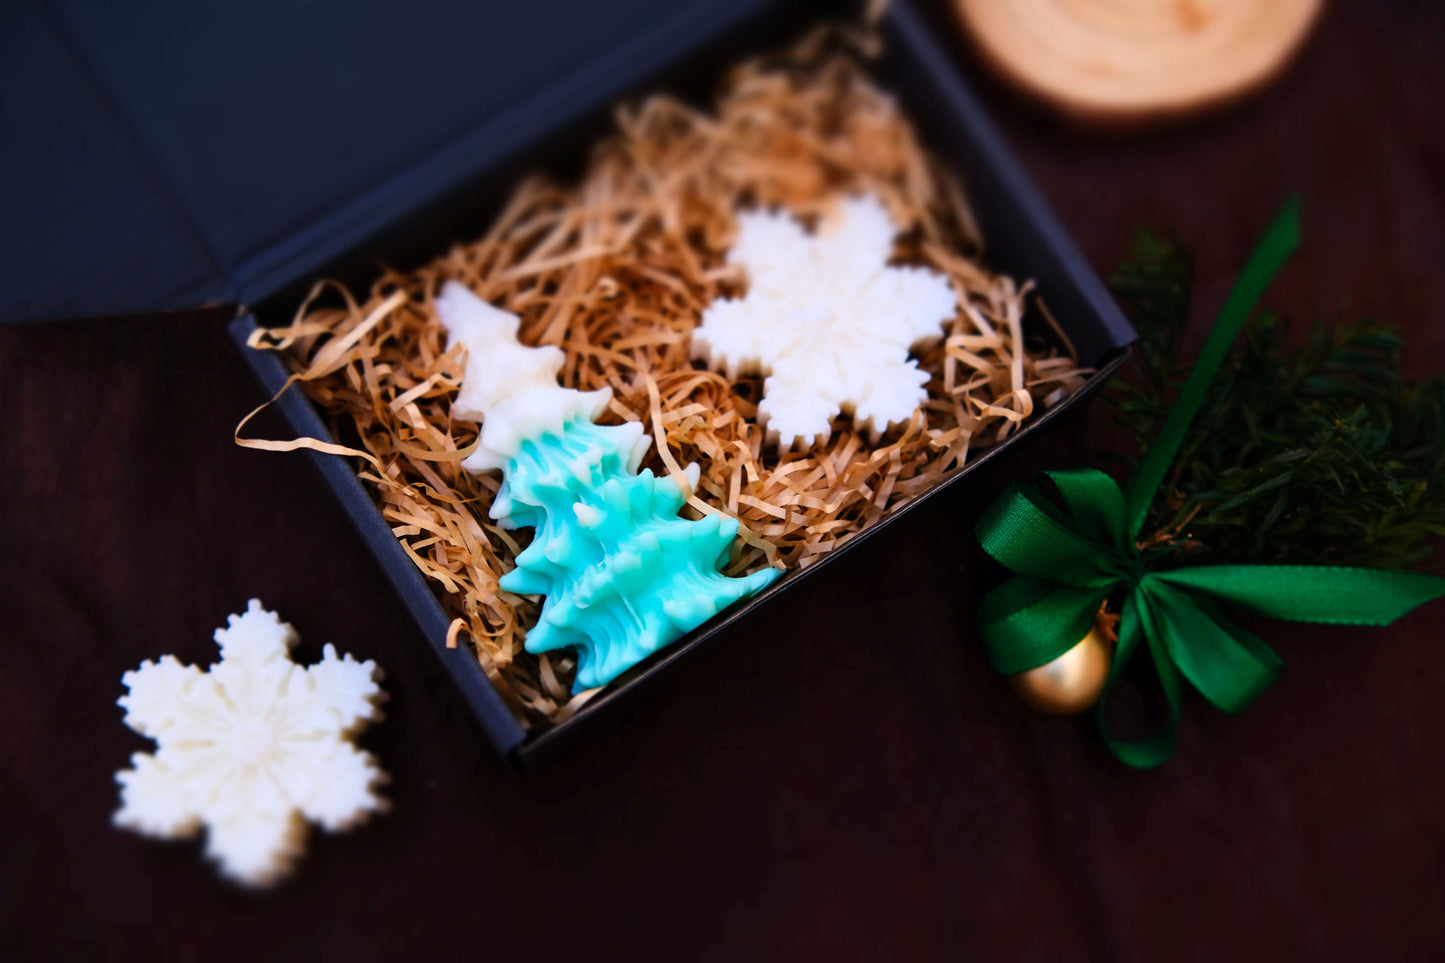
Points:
(622, 574)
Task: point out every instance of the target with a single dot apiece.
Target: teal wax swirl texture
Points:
(623, 575)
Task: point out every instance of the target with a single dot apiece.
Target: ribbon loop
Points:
(1026, 532)
(1097, 505)
(1026, 622)
(1136, 624)
(1228, 665)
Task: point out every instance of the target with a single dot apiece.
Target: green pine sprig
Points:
(1317, 453)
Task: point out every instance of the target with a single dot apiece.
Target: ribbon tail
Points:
(1303, 593)
(1274, 249)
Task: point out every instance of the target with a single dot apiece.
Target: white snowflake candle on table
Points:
(827, 320)
(251, 748)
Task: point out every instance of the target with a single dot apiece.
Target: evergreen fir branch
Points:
(1319, 453)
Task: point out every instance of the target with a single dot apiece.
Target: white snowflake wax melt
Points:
(252, 747)
(827, 320)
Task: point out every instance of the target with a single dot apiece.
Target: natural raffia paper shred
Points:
(617, 271)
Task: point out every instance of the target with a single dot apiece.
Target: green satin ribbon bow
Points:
(1069, 558)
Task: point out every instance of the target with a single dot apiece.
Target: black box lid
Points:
(169, 153)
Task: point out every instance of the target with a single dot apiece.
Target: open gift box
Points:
(405, 199)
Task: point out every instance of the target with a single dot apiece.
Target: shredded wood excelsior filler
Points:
(617, 271)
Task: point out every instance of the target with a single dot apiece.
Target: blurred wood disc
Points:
(1124, 61)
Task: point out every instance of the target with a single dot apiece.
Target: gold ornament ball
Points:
(1071, 683)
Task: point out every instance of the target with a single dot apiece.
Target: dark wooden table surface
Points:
(855, 781)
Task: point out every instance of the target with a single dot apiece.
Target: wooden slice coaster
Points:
(1123, 61)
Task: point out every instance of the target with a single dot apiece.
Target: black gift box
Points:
(350, 135)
